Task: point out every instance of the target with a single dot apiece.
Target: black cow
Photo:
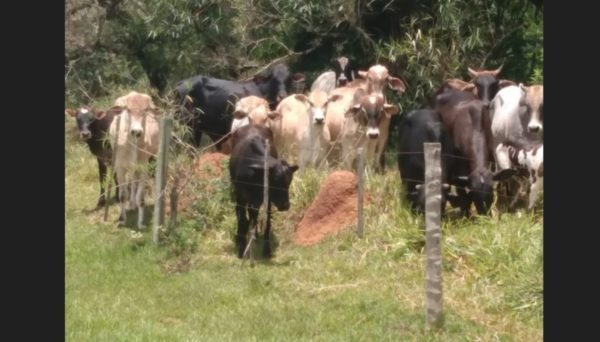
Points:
(93, 126)
(215, 99)
(463, 117)
(415, 129)
(246, 169)
(344, 71)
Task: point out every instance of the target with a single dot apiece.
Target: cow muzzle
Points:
(373, 133)
(136, 132)
(85, 135)
(342, 80)
(319, 121)
(534, 128)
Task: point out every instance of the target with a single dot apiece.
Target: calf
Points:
(246, 169)
(93, 126)
(299, 128)
(416, 128)
(463, 118)
(137, 141)
(528, 156)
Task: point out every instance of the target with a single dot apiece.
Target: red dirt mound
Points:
(207, 166)
(334, 208)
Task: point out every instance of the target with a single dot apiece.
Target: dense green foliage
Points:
(158, 42)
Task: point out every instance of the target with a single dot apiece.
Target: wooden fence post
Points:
(361, 191)
(161, 175)
(433, 199)
(111, 172)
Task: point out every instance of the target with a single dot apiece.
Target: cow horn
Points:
(445, 186)
(473, 72)
(497, 71)
(418, 186)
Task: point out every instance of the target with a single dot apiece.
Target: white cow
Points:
(516, 113)
(137, 140)
(299, 130)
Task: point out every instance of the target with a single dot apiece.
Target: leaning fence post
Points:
(433, 199)
(112, 168)
(361, 190)
(161, 175)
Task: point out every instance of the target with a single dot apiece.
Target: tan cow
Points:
(137, 140)
(250, 110)
(299, 129)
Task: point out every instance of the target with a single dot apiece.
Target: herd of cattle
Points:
(490, 129)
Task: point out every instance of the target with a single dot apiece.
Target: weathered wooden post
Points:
(166, 123)
(433, 199)
(111, 172)
(361, 190)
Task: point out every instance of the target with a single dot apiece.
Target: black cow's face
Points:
(481, 187)
(487, 87)
(343, 71)
(279, 79)
(280, 178)
(85, 117)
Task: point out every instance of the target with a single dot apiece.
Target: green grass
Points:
(120, 287)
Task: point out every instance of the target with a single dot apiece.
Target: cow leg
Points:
(140, 199)
(242, 231)
(533, 192)
(122, 195)
(117, 190)
(267, 235)
(102, 173)
(465, 201)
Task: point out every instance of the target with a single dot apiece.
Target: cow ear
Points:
(468, 87)
(100, 115)
(70, 112)
(353, 111)
(274, 115)
(334, 98)
(504, 174)
(523, 87)
(302, 98)
(363, 73)
(239, 114)
(396, 84)
(293, 168)
(298, 77)
(390, 110)
(506, 83)
(259, 79)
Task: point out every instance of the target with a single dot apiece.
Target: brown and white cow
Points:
(299, 129)
(363, 122)
(137, 141)
(528, 156)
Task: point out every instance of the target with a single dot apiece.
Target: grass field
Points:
(121, 287)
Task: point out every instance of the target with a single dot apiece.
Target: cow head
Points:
(318, 101)
(280, 177)
(377, 76)
(533, 101)
(369, 110)
(343, 71)
(273, 85)
(137, 105)
(85, 117)
(250, 110)
(485, 84)
(480, 186)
